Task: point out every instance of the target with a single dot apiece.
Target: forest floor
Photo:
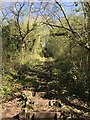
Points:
(40, 101)
(42, 108)
(11, 108)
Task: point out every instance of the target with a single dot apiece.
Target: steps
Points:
(44, 115)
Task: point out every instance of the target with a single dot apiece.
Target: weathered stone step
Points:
(44, 115)
(36, 116)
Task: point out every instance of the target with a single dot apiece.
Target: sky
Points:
(40, 0)
(68, 7)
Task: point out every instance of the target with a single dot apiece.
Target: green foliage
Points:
(66, 70)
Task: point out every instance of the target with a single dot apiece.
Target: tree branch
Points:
(65, 17)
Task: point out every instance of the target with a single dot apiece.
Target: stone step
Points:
(36, 115)
(44, 115)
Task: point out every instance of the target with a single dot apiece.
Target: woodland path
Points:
(40, 103)
(42, 109)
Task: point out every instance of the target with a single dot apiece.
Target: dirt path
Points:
(41, 107)
(10, 109)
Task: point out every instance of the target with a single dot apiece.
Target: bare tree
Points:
(20, 10)
(76, 35)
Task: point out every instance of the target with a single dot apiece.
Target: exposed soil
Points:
(41, 106)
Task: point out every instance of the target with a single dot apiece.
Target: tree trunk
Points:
(87, 8)
(87, 29)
